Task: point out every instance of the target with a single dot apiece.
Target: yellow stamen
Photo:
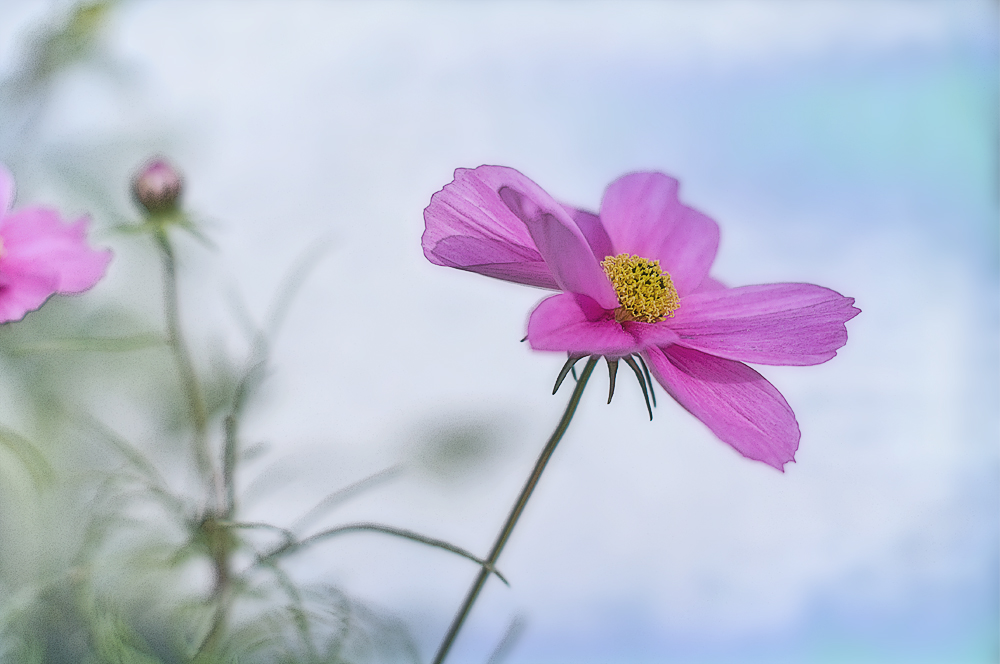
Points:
(646, 292)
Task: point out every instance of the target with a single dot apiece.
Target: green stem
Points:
(221, 544)
(185, 366)
(291, 545)
(515, 513)
(219, 538)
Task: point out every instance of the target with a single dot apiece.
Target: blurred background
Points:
(848, 144)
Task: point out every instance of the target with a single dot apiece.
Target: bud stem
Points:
(185, 366)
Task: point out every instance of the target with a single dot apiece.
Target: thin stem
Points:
(229, 466)
(290, 545)
(298, 610)
(331, 500)
(256, 364)
(221, 545)
(219, 539)
(515, 513)
(185, 366)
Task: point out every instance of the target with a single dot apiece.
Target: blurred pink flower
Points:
(40, 255)
(635, 281)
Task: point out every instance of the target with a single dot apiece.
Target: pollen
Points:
(646, 292)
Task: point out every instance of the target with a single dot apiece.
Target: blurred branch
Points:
(55, 48)
(510, 637)
(189, 379)
(288, 535)
(292, 547)
(298, 610)
(130, 453)
(92, 344)
(291, 285)
(256, 363)
(50, 50)
(340, 495)
(27, 453)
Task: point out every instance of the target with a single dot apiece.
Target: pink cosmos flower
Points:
(635, 281)
(40, 255)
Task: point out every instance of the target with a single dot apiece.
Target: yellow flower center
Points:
(646, 292)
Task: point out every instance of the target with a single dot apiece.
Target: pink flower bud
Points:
(158, 186)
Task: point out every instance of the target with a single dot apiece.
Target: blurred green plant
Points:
(108, 551)
(119, 564)
(71, 38)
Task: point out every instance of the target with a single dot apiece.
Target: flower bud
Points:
(157, 187)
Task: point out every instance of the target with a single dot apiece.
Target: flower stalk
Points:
(219, 483)
(185, 366)
(515, 513)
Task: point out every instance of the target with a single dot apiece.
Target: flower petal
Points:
(467, 226)
(593, 230)
(576, 324)
(493, 258)
(733, 400)
(709, 284)
(643, 216)
(787, 324)
(37, 242)
(561, 243)
(652, 334)
(6, 189)
(21, 293)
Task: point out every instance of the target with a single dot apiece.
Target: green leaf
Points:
(27, 453)
(91, 344)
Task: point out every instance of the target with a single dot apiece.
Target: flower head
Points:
(157, 186)
(635, 281)
(40, 255)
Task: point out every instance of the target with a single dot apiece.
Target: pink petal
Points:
(6, 189)
(788, 324)
(21, 293)
(652, 334)
(493, 258)
(733, 400)
(709, 284)
(470, 228)
(643, 216)
(593, 230)
(36, 242)
(575, 323)
(561, 243)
